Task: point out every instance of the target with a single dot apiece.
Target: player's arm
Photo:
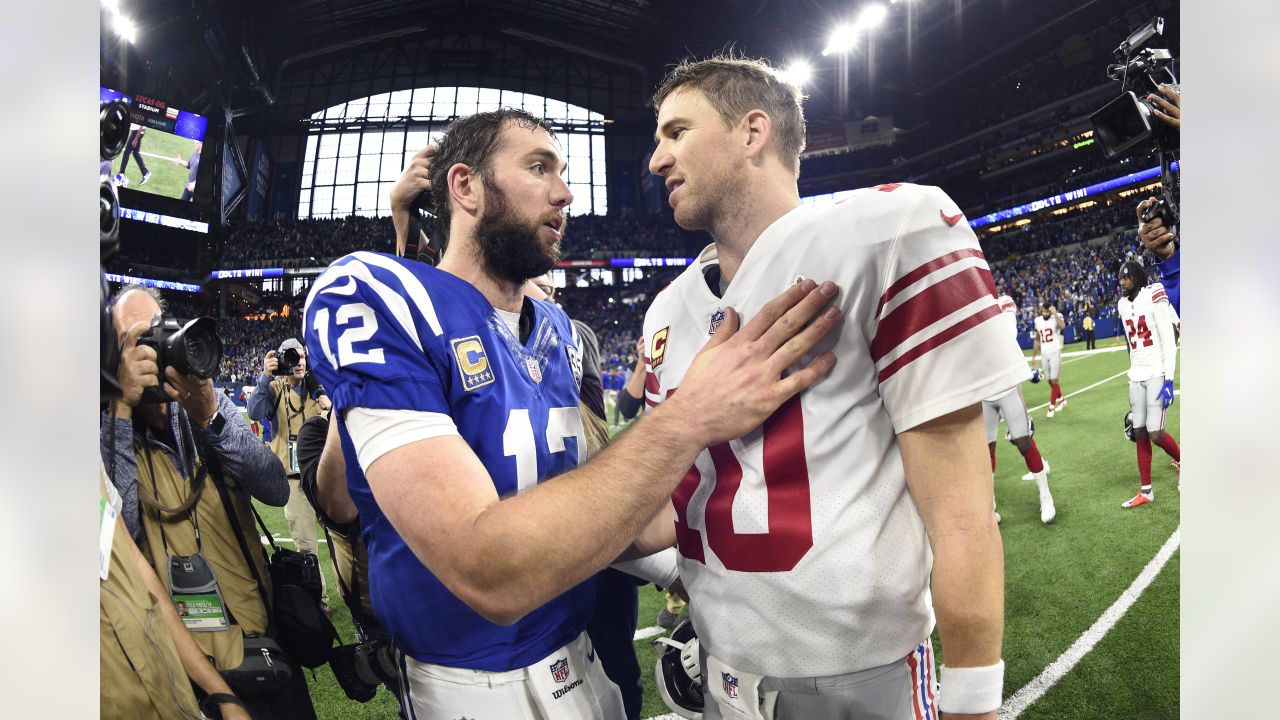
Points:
(194, 662)
(632, 396)
(658, 535)
(414, 181)
(1035, 345)
(1166, 334)
(949, 475)
(507, 557)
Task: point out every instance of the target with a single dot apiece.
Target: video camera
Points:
(1129, 121)
(113, 133)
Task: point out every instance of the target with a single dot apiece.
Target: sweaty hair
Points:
(472, 141)
(735, 86)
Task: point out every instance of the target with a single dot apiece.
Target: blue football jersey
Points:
(387, 333)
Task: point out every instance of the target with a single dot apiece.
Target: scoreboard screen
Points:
(163, 153)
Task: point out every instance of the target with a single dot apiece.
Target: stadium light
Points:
(872, 17)
(842, 39)
(797, 73)
(125, 29)
(112, 5)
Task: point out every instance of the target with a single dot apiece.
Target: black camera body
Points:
(361, 667)
(113, 132)
(191, 348)
(288, 362)
(1129, 122)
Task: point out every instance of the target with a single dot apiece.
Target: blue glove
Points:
(1166, 394)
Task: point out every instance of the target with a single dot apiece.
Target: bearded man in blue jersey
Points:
(457, 407)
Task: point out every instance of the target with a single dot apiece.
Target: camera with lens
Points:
(361, 667)
(192, 348)
(1129, 122)
(288, 362)
(113, 133)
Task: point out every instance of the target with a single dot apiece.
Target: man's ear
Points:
(465, 187)
(758, 129)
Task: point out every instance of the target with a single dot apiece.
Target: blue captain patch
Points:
(473, 362)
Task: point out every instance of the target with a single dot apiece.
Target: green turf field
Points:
(1059, 579)
(167, 179)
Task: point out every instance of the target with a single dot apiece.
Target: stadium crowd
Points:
(317, 241)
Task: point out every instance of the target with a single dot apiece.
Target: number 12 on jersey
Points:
(518, 441)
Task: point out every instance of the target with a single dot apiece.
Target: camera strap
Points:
(211, 461)
(351, 595)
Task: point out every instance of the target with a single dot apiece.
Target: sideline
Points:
(1042, 683)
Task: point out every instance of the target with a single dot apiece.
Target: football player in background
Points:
(807, 544)
(1048, 345)
(1013, 408)
(456, 401)
(1147, 318)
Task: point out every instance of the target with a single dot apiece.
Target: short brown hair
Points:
(737, 85)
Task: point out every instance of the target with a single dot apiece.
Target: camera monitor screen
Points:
(162, 155)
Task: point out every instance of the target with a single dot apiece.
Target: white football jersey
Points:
(1050, 336)
(1148, 323)
(801, 548)
(1008, 311)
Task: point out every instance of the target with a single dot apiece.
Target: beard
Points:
(510, 246)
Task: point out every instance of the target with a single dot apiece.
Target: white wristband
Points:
(659, 567)
(971, 690)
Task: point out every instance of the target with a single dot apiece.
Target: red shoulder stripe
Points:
(931, 305)
(931, 266)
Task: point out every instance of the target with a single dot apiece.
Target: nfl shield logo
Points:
(730, 684)
(716, 320)
(535, 371)
(560, 670)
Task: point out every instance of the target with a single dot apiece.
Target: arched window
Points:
(357, 150)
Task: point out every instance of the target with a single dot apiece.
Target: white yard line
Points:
(1083, 389)
(1058, 669)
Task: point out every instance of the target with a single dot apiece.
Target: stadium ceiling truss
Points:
(314, 97)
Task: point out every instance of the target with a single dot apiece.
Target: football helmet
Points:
(679, 675)
(1035, 375)
(1128, 427)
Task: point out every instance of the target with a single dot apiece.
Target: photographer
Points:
(183, 460)
(1160, 240)
(361, 666)
(287, 396)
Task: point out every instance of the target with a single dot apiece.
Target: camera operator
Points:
(1160, 240)
(183, 461)
(287, 396)
(136, 659)
(370, 661)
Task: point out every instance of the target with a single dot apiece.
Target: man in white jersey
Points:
(1048, 345)
(1148, 322)
(807, 544)
(1012, 407)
